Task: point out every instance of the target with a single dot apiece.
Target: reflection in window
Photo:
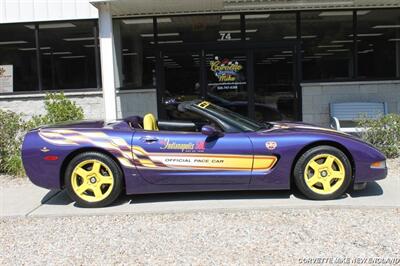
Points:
(273, 85)
(379, 38)
(67, 52)
(271, 27)
(136, 52)
(327, 43)
(182, 76)
(18, 55)
(273, 69)
(195, 29)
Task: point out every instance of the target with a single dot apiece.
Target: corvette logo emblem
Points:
(44, 149)
(271, 145)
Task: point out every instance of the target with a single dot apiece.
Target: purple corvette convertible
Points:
(216, 150)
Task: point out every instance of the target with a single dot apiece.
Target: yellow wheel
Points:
(93, 179)
(323, 172)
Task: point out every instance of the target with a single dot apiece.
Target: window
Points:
(17, 59)
(134, 39)
(67, 55)
(328, 45)
(378, 34)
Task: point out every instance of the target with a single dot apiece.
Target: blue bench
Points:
(344, 116)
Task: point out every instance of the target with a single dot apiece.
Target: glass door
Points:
(256, 81)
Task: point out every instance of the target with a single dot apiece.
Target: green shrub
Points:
(11, 133)
(58, 109)
(12, 128)
(383, 133)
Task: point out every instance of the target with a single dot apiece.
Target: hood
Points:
(309, 128)
(304, 127)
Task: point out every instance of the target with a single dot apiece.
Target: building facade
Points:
(270, 60)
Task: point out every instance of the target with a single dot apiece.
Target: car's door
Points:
(169, 157)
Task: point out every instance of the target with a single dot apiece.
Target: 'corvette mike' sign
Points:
(6, 78)
(227, 74)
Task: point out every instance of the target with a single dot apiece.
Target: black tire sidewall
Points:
(115, 169)
(298, 173)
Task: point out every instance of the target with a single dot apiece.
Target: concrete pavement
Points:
(29, 200)
(22, 200)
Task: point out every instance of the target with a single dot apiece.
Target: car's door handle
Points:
(149, 139)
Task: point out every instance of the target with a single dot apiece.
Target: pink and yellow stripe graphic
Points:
(136, 156)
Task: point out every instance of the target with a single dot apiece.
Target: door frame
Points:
(248, 49)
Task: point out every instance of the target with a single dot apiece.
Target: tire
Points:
(323, 173)
(93, 179)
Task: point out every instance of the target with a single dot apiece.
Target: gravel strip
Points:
(264, 237)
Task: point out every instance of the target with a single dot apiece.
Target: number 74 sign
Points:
(225, 36)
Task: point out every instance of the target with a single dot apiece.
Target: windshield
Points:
(243, 123)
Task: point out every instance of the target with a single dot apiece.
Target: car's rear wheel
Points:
(93, 179)
(322, 173)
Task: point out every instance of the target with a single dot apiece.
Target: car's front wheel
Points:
(93, 179)
(322, 173)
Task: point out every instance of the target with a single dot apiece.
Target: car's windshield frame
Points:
(239, 121)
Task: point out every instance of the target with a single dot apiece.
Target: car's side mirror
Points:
(211, 131)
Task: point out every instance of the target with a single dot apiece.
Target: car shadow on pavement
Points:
(213, 195)
(51, 195)
(60, 197)
(372, 189)
(54, 197)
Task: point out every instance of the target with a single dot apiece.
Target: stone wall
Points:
(129, 102)
(318, 96)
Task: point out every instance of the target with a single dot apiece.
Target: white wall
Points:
(12, 11)
(132, 102)
(317, 96)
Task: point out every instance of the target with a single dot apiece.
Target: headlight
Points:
(378, 165)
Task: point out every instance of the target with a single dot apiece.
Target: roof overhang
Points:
(124, 8)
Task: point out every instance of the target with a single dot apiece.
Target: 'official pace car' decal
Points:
(205, 161)
(131, 156)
